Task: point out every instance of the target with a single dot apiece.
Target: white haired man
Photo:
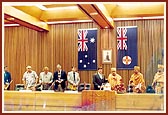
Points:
(30, 79)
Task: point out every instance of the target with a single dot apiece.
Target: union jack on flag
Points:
(87, 49)
(121, 38)
(82, 40)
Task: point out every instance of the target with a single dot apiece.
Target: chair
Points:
(19, 87)
(84, 86)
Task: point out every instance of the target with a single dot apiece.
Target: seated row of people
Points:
(136, 82)
(49, 81)
(60, 81)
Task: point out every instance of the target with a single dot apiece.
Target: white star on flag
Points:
(84, 66)
(92, 40)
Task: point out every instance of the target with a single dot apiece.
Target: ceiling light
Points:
(64, 8)
(41, 7)
(94, 13)
(75, 21)
(10, 19)
(11, 25)
(137, 3)
(138, 18)
(110, 19)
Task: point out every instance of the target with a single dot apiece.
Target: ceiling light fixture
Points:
(137, 3)
(64, 8)
(94, 13)
(41, 7)
(11, 25)
(10, 19)
(75, 21)
(138, 18)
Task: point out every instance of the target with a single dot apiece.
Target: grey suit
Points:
(71, 80)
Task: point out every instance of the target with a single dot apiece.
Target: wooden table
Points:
(139, 101)
(41, 101)
(87, 100)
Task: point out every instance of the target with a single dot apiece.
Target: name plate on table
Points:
(70, 91)
(25, 90)
(47, 90)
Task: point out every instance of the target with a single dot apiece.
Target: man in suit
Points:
(60, 78)
(73, 79)
(98, 79)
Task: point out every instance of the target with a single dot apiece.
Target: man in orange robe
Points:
(137, 80)
(114, 78)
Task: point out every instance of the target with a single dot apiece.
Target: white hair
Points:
(28, 67)
(58, 66)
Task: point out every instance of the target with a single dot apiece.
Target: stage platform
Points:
(87, 100)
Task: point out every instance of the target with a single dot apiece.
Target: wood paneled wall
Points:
(23, 46)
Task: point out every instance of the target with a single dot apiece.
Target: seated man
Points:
(137, 81)
(114, 78)
(73, 79)
(46, 78)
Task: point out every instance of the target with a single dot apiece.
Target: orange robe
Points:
(138, 79)
(114, 80)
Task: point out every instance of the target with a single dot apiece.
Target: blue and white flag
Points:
(127, 47)
(87, 49)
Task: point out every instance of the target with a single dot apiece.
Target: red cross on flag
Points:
(126, 60)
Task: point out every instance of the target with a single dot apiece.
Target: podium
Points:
(98, 100)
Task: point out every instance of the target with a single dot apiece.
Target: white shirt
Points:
(30, 78)
(46, 78)
(100, 75)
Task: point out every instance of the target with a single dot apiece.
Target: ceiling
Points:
(37, 15)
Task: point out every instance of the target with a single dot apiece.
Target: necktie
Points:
(74, 76)
(59, 75)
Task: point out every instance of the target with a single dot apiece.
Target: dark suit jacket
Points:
(63, 76)
(97, 81)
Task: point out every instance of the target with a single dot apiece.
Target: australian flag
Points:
(126, 47)
(87, 49)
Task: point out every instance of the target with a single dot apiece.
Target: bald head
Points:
(113, 71)
(136, 69)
